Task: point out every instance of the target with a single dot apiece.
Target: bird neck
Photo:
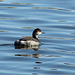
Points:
(35, 35)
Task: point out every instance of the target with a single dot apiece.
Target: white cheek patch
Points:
(39, 33)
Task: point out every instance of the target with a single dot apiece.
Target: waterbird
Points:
(30, 41)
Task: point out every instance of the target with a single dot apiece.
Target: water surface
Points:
(18, 18)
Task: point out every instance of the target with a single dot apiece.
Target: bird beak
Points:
(43, 33)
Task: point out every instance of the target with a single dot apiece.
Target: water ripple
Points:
(56, 54)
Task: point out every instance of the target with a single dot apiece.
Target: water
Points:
(56, 55)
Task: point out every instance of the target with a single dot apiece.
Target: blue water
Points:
(56, 55)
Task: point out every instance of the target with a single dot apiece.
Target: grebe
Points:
(30, 41)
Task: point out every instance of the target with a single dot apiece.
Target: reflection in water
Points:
(8, 7)
(3, 31)
(10, 18)
(36, 67)
(53, 69)
(38, 62)
(27, 27)
(34, 73)
(27, 55)
(52, 56)
(67, 52)
(24, 3)
(36, 47)
(69, 64)
(4, 44)
(72, 33)
(53, 8)
(57, 54)
(1, 0)
(58, 38)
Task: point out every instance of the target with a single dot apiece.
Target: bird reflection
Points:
(28, 47)
(27, 55)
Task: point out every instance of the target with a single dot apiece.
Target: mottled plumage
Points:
(29, 41)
